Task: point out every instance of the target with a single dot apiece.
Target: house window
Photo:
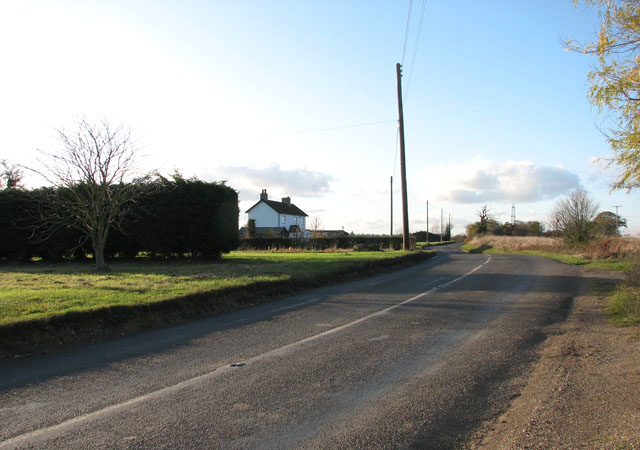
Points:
(284, 220)
(295, 220)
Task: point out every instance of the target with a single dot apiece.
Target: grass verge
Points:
(35, 291)
(577, 260)
(41, 304)
(624, 305)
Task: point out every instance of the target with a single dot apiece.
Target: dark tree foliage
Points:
(360, 243)
(251, 228)
(184, 217)
(421, 236)
(175, 218)
(608, 223)
(13, 206)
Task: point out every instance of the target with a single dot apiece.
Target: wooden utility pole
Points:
(449, 226)
(617, 219)
(403, 169)
(441, 224)
(391, 227)
(427, 223)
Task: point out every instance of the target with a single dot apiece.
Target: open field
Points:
(613, 253)
(39, 291)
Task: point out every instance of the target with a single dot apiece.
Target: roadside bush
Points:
(612, 247)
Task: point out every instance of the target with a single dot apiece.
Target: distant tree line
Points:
(421, 236)
(171, 217)
(574, 218)
(494, 227)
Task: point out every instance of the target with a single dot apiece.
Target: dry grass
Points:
(605, 248)
(516, 243)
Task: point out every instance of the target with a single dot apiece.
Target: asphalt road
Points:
(416, 358)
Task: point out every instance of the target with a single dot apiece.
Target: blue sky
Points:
(299, 98)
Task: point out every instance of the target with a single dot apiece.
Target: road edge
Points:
(558, 403)
(36, 336)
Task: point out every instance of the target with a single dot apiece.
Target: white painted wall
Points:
(288, 220)
(264, 216)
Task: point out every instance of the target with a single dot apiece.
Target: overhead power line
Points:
(406, 31)
(318, 130)
(415, 48)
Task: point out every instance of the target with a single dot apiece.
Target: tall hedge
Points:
(177, 217)
(14, 232)
(186, 217)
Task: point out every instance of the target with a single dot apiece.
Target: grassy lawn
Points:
(33, 291)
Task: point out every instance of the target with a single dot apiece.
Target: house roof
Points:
(282, 208)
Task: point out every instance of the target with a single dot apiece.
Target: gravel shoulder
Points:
(584, 390)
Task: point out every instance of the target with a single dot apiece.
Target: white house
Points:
(272, 214)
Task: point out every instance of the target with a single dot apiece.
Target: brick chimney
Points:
(264, 195)
(286, 200)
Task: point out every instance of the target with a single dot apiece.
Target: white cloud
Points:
(479, 180)
(296, 182)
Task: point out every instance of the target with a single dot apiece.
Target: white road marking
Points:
(43, 433)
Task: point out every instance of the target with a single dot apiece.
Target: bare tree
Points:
(485, 215)
(574, 217)
(93, 173)
(10, 174)
(315, 225)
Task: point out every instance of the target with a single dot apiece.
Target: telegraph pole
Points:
(427, 223)
(403, 169)
(441, 224)
(391, 227)
(449, 226)
(617, 218)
